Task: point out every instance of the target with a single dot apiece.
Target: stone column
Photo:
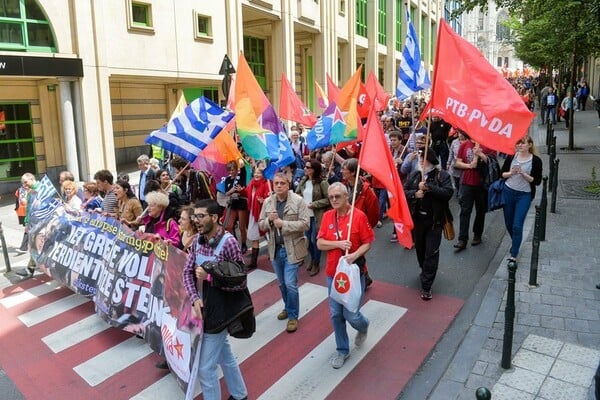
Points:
(68, 125)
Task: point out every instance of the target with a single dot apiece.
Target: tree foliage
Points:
(549, 33)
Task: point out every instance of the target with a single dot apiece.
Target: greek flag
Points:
(412, 76)
(190, 132)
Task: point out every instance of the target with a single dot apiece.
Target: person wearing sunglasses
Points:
(285, 215)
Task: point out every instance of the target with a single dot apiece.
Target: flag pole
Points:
(353, 200)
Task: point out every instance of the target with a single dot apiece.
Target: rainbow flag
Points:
(340, 121)
(262, 135)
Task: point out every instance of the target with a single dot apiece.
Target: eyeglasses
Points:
(335, 196)
(280, 183)
(199, 216)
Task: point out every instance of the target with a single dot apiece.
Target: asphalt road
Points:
(458, 273)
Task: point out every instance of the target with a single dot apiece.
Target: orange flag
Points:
(292, 108)
(321, 97)
(376, 158)
(332, 89)
(377, 93)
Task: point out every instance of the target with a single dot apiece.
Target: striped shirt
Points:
(110, 204)
(230, 251)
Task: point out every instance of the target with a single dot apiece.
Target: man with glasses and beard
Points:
(285, 215)
(214, 244)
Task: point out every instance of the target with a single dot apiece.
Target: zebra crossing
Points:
(54, 347)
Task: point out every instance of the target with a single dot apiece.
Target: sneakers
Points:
(292, 325)
(379, 224)
(476, 241)
(360, 338)
(20, 251)
(426, 295)
(26, 272)
(338, 360)
(394, 238)
(233, 398)
(282, 315)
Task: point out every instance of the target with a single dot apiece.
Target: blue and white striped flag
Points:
(190, 132)
(412, 76)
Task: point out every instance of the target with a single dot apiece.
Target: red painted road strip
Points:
(41, 374)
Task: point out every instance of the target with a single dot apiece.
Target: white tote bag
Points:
(345, 288)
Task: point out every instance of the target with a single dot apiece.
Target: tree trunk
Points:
(572, 94)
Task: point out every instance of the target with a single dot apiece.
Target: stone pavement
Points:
(556, 345)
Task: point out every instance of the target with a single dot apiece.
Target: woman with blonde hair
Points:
(523, 172)
(187, 227)
(69, 188)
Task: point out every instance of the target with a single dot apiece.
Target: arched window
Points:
(502, 31)
(24, 27)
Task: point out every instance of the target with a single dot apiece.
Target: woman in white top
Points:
(72, 201)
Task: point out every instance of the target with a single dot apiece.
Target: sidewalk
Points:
(556, 344)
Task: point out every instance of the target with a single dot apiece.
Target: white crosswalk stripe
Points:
(313, 378)
(26, 295)
(75, 333)
(53, 309)
(108, 363)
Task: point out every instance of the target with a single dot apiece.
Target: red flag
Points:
(363, 101)
(377, 93)
(474, 97)
(332, 90)
(376, 159)
(292, 108)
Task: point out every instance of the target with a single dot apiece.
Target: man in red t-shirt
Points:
(472, 192)
(333, 238)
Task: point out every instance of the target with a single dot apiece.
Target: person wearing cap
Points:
(428, 191)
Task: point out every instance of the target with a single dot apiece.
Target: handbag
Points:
(448, 227)
(346, 288)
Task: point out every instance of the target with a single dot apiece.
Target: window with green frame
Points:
(211, 93)
(254, 51)
(24, 27)
(141, 14)
(433, 42)
(423, 30)
(399, 16)
(382, 13)
(17, 146)
(361, 17)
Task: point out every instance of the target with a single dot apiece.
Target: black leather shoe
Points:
(162, 365)
(476, 241)
(598, 286)
(460, 246)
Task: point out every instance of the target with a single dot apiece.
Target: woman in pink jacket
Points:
(158, 221)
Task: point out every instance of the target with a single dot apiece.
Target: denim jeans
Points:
(339, 316)
(287, 276)
(551, 111)
(469, 196)
(311, 234)
(382, 196)
(516, 205)
(215, 350)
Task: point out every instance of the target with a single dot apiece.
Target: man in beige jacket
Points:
(285, 215)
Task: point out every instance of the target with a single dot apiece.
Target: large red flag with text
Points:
(376, 159)
(470, 94)
(292, 108)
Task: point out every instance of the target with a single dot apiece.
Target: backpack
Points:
(489, 172)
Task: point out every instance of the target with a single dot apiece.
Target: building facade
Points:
(82, 83)
(487, 31)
